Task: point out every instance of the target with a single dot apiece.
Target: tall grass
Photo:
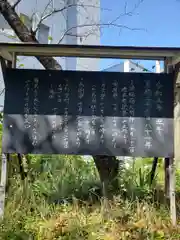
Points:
(61, 200)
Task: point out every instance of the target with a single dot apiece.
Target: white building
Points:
(72, 22)
(131, 66)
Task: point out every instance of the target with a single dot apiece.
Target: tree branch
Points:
(2, 91)
(101, 25)
(16, 3)
(112, 23)
(128, 13)
(54, 11)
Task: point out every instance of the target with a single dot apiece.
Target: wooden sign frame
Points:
(170, 56)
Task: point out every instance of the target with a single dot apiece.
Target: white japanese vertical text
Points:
(147, 114)
(93, 109)
(114, 108)
(124, 109)
(102, 106)
(132, 102)
(66, 113)
(159, 107)
(27, 123)
(35, 112)
(79, 112)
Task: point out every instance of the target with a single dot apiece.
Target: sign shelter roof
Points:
(90, 51)
(170, 56)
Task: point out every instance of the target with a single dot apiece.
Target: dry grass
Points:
(124, 220)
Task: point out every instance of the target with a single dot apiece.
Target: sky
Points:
(158, 19)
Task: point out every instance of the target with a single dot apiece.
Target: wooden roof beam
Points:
(89, 51)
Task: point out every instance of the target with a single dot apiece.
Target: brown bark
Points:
(107, 166)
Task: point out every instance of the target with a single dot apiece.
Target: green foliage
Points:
(50, 38)
(60, 177)
(21, 65)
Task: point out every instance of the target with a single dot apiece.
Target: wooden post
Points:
(172, 193)
(3, 184)
(170, 172)
(5, 157)
(14, 60)
(166, 160)
(3, 163)
(166, 177)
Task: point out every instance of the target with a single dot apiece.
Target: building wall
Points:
(90, 18)
(134, 68)
(87, 18)
(126, 66)
(115, 68)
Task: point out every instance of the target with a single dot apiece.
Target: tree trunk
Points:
(107, 166)
(108, 171)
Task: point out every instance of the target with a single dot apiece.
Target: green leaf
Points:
(21, 65)
(22, 18)
(50, 38)
(11, 36)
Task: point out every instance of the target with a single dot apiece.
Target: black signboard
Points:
(88, 113)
